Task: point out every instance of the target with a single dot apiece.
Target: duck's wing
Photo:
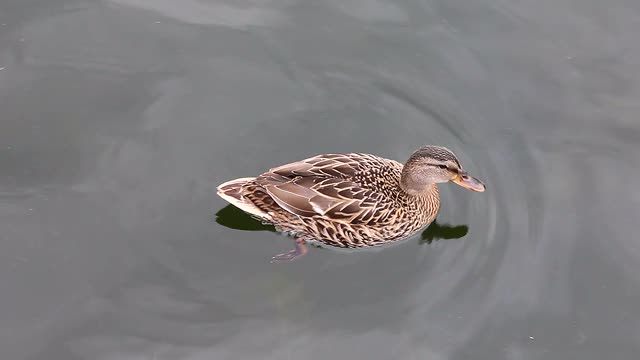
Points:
(327, 185)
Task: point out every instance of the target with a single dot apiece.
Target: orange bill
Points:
(469, 182)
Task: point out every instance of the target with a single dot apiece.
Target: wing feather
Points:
(322, 185)
(291, 201)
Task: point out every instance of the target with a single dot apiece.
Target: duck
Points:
(352, 200)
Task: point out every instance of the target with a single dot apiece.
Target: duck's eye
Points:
(444, 167)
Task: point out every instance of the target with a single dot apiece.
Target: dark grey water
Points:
(118, 119)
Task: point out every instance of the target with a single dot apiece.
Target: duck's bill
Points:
(469, 182)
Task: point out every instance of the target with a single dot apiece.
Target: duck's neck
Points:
(423, 191)
(423, 205)
(415, 185)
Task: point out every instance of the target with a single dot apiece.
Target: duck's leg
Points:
(300, 250)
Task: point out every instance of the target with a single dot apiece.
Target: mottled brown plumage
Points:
(349, 200)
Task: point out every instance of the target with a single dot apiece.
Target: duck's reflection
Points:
(437, 232)
(234, 218)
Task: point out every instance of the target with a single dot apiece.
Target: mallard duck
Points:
(349, 200)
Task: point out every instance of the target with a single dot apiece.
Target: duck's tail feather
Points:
(231, 191)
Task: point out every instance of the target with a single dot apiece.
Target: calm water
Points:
(119, 117)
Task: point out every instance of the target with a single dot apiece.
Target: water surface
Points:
(119, 118)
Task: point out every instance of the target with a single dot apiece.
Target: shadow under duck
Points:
(349, 200)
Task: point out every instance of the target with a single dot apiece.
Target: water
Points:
(120, 117)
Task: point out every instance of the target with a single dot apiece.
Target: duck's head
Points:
(435, 164)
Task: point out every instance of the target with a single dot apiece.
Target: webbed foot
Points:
(296, 253)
